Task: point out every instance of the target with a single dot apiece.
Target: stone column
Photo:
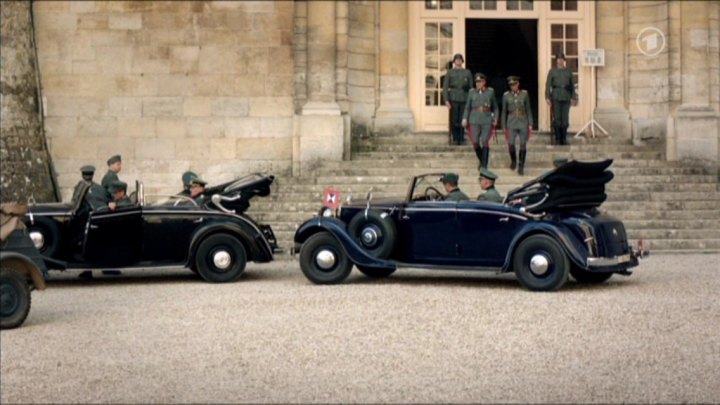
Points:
(320, 128)
(393, 113)
(610, 110)
(696, 123)
(25, 164)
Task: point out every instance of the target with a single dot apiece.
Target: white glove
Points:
(464, 122)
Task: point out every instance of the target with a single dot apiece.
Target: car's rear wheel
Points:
(220, 258)
(14, 298)
(588, 277)
(323, 261)
(540, 264)
(45, 235)
(375, 232)
(374, 272)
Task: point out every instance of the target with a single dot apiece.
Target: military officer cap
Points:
(187, 177)
(197, 180)
(458, 56)
(513, 79)
(560, 161)
(87, 169)
(450, 178)
(114, 159)
(560, 56)
(479, 76)
(487, 174)
(117, 185)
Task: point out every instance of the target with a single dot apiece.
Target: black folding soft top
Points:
(572, 186)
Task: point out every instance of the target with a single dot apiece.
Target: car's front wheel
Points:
(14, 299)
(45, 235)
(588, 277)
(374, 272)
(323, 261)
(220, 258)
(540, 264)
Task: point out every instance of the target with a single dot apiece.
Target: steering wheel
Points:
(431, 193)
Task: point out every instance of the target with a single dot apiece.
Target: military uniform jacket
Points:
(516, 110)
(490, 195)
(96, 196)
(559, 85)
(456, 85)
(109, 177)
(456, 195)
(481, 107)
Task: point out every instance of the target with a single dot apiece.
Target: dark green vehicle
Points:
(22, 269)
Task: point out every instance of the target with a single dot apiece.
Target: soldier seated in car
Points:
(118, 190)
(186, 178)
(450, 181)
(197, 188)
(487, 183)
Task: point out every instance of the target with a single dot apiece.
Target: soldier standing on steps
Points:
(458, 82)
(517, 121)
(559, 94)
(481, 112)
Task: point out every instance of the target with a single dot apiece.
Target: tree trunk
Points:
(25, 165)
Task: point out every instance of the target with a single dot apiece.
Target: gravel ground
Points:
(418, 336)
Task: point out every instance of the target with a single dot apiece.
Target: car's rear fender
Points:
(575, 251)
(338, 229)
(257, 250)
(24, 265)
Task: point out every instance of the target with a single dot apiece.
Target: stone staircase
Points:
(672, 206)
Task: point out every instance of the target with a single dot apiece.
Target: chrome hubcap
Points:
(37, 239)
(369, 236)
(222, 259)
(539, 264)
(325, 259)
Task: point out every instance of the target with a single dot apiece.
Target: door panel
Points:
(167, 234)
(427, 232)
(114, 238)
(484, 235)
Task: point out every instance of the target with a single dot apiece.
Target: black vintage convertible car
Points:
(215, 239)
(546, 230)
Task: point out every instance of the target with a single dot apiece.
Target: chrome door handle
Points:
(405, 217)
(504, 219)
(94, 227)
(197, 221)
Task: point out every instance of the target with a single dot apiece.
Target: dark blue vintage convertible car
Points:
(214, 239)
(546, 230)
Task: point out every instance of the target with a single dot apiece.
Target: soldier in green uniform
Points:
(186, 180)
(118, 189)
(95, 196)
(450, 180)
(517, 121)
(197, 188)
(481, 111)
(487, 183)
(458, 81)
(114, 167)
(560, 93)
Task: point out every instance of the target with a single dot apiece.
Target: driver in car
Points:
(450, 181)
(197, 188)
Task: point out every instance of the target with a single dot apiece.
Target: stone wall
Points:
(24, 162)
(362, 71)
(171, 86)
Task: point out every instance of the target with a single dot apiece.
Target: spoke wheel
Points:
(540, 264)
(14, 299)
(323, 260)
(220, 258)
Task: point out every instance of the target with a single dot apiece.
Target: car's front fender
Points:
(338, 229)
(575, 250)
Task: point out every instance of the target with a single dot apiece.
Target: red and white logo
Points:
(332, 198)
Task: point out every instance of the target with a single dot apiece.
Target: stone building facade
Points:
(227, 88)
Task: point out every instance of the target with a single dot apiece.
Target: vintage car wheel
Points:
(323, 261)
(220, 258)
(45, 236)
(374, 272)
(376, 233)
(588, 277)
(14, 299)
(540, 264)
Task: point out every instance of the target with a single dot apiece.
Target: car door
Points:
(168, 230)
(427, 232)
(485, 231)
(114, 238)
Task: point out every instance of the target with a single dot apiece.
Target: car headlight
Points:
(327, 212)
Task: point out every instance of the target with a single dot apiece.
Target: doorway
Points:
(503, 47)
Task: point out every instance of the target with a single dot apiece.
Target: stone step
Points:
(673, 233)
(501, 147)
(441, 138)
(532, 157)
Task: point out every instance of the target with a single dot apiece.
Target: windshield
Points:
(427, 187)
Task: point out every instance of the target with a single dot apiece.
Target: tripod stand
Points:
(592, 123)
